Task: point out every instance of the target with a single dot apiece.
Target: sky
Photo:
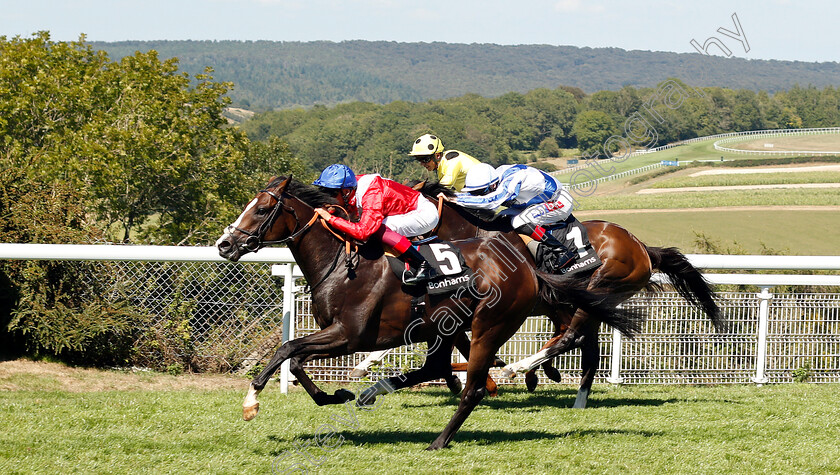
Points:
(771, 29)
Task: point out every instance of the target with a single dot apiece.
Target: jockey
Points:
(387, 210)
(534, 198)
(451, 165)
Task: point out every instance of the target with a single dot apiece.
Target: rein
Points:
(440, 215)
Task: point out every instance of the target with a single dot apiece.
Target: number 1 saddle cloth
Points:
(572, 233)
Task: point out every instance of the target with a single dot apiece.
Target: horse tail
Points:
(573, 291)
(688, 282)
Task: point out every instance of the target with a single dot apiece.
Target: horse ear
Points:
(420, 185)
(283, 184)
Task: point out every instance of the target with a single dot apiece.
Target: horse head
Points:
(275, 216)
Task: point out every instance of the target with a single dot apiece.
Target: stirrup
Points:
(425, 273)
(566, 258)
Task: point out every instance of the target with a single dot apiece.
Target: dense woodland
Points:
(516, 127)
(273, 75)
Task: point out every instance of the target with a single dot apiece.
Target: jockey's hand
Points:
(323, 213)
(444, 197)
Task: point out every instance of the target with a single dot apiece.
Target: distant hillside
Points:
(277, 75)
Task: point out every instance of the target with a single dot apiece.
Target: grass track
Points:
(643, 429)
(749, 179)
(791, 231)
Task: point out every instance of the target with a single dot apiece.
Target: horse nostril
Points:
(224, 246)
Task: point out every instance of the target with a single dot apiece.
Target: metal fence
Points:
(215, 315)
(752, 135)
(677, 344)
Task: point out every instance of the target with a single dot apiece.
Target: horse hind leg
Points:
(590, 360)
(361, 369)
(474, 392)
(436, 366)
(320, 397)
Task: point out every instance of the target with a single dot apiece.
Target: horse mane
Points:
(309, 194)
(483, 218)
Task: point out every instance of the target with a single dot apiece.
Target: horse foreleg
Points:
(477, 370)
(454, 383)
(456, 386)
(330, 341)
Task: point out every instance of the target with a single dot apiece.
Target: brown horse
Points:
(627, 265)
(363, 306)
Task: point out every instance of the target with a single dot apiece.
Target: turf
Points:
(645, 429)
(755, 231)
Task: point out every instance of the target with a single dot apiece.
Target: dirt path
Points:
(745, 171)
(22, 374)
(595, 212)
(656, 191)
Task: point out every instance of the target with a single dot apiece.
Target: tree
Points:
(143, 142)
(549, 148)
(592, 129)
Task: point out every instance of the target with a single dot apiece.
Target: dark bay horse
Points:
(363, 306)
(627, 268)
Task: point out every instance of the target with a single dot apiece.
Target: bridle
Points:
(255, 240)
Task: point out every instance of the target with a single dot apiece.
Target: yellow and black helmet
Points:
(426, 145)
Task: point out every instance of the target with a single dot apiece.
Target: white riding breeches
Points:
(544, 214)
(421, 220)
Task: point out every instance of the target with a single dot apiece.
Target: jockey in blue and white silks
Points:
(534, 198)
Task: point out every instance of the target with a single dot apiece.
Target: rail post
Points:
(288, 273)
(761, 345)
(615, 359)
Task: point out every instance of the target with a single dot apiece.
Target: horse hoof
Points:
(552, 373)
(250, 412)
(435, 445)
(358, 373)
(344, 395)
(367, 398)
(531, 380)
(455, 385)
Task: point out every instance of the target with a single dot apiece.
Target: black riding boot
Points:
(543, 236)
(425, 271)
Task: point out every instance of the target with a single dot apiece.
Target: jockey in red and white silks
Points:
(382, 201)
(387, 210)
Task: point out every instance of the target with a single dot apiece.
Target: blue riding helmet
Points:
(336, 176)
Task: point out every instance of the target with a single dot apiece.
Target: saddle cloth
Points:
(448, 262)
(572, 233)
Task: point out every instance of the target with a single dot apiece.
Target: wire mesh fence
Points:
(215, 316)
(205, 316)
(677, 344)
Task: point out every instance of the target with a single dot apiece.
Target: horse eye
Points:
(261, 211)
